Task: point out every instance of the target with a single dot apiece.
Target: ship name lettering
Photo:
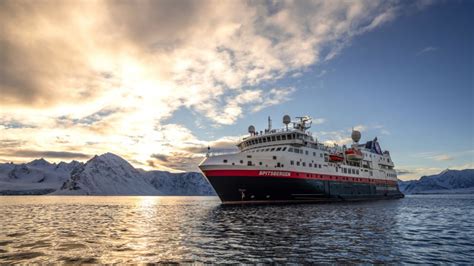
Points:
(274, 173)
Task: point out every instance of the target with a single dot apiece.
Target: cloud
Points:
(108, 81)
(322, 73)
(427, 49)
(443, 157)
(318, 121)
(47, 154)
(360, 128)
(339, 137)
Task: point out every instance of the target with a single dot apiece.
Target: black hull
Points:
(259, 189)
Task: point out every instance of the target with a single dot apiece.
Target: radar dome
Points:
(355, 135)
(286, 119)
(251, 129)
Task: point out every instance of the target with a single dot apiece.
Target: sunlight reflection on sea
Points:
(90, 229)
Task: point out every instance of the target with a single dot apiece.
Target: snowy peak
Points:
(107, 174)
(39, 163)
(111, 160)
(110, 164)
(68, 167)
(448, 181)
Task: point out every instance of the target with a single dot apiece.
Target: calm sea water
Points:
(417, 229)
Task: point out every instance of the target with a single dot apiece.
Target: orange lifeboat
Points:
(354, 154)
(336, 157)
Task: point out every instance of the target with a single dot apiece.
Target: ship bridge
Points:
(297, 136)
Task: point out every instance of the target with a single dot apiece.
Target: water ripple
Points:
(417, 229)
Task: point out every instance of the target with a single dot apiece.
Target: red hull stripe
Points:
(301, 175)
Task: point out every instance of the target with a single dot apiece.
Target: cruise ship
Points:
(289, 165)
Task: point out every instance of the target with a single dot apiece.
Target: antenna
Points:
(269, 124)
(304, 123)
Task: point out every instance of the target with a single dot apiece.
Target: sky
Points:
(157, 81)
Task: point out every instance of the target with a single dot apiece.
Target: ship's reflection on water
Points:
(198, 229)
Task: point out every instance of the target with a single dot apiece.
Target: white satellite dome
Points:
(355, 135)
(251, 129)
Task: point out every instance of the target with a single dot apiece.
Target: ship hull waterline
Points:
(267, 189)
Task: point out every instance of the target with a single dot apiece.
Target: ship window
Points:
(272, 149)
(249, 163)
(278, 137)
(321, 155)
(267, 149)
(298, 163)
(233, 163)
(260, 163)
(294, 136)
(319, 166)
(357, 171)
(260, 140)
(314, 153)
(284, 148)
(292, 162)
(273, 138)
(337, 170)
(301, 151)
(290, 150)
(306, 152)
(274, 157)
(283, 137)
(225, 161)
(289, 136)
(241, 161)
(310, 165)
(278, 165)
(304, 164)
(315, 165)
(278, 149)
(344, 170)
(297, 150)
(264, 140)
(249, 156)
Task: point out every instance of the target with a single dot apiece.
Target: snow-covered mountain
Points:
(36, 177)
(448, 181)
(189, 183)
(107, 174)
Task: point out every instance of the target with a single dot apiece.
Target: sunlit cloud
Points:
(107, 81)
